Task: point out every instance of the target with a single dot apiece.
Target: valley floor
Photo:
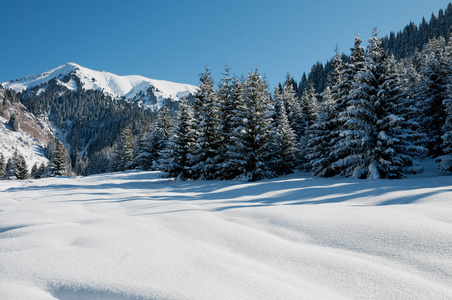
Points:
(134, 235)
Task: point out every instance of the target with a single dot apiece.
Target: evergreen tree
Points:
(22, 168)
(176, 157)
(227, 104)
(205, 155)
(12, 166)
(445, 161)
(13, 122)
(235, 162)
(433, 91)
(257, 137)
(60, 163)
(320, 138)
(150, 148)
(2, 166)
(123, 155)
(293, 108)
(34, 171)
(284, 154)
(342, 94)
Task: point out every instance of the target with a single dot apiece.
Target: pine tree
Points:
(320, 138)
(445, 160)
(12, 166)
(284, 153)
(343, 92)
(433, 91)
(22, 168)
(13, 122)
(60, 164)
(236, 158)
(123, 155)
(34, 171)
(226, 106)
(150, 148)
(293, 108)
(205, 155)
(2, 166)
(176, 157)
(257, 136)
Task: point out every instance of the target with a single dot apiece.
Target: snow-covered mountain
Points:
(31, 135)
(135, 88)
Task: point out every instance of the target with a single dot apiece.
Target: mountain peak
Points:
(132, 87)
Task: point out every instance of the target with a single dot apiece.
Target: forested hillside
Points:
(401, 44)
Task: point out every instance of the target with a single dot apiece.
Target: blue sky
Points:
(174, 40)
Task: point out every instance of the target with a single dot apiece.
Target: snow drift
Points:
(136, 236)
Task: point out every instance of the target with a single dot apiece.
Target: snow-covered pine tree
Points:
(34, 171)
(342, 144)
(395, 153)
(226, 107)
(319, 138)
(22, 168)
(205, 156)
(40, 173)
(123, 153)
(309, 106)
(13, 122)
(433, 91)
(150, 148)
(175, 160)
(293, 108)
(236, 158)
(2, 166)
(325, 132)
(60, 163)
(285, 141)
(445, 160)
(12, 166)
(258, 137)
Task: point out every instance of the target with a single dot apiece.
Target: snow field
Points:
(136, 236)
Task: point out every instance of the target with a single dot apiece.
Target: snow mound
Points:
(134, 235)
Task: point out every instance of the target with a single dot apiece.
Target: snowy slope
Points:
(31, 138)
(136, 236)
(131, 87)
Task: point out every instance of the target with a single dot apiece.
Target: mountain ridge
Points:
(135, 88)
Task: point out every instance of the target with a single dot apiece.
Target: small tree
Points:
(123, 155)
(13, 122)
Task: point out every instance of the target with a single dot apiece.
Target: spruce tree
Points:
(175, 160)
(433, 91)
(226, 106)
(258, 132)
(123, 155)
(236, 157)
(285, 141)
(60, 164)
(205, 155)
(22, 168)
(342, 144)
(2, 166)
(12, 166)
(293, 108)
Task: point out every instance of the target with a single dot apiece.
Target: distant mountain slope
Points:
(31, 135)
(150, 92)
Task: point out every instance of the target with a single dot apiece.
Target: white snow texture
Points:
(134, 235)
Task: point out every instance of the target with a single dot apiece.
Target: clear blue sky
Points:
(174, 40)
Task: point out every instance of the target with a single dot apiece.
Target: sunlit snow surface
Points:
(134, 235)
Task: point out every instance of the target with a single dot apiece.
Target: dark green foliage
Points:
(90, 119)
